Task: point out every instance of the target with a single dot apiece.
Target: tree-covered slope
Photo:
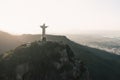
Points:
(101, 64)
(40, 61)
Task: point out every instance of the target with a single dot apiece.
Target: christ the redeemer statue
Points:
(43, 32)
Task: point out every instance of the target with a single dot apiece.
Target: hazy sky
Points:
(62, 16)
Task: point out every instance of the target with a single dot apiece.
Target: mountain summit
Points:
(102, 65)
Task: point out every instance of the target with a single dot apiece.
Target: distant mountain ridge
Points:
(8, 42)
(102, 65)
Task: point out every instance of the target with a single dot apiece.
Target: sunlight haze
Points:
(62, 16)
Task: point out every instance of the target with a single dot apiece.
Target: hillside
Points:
(102, 65)
(40, 61)
(8, 42)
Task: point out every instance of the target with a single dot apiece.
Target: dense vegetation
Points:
(39, 61)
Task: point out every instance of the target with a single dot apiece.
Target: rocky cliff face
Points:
(42, 61)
